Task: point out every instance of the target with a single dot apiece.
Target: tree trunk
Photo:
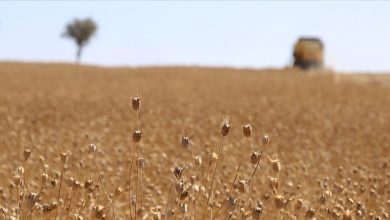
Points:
(78, 54)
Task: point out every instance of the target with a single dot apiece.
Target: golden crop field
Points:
(205, 144)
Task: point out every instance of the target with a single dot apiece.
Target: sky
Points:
(241, 34)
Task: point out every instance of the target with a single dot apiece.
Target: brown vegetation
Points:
(190, 143)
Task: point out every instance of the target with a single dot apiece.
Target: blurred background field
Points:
(325, 130)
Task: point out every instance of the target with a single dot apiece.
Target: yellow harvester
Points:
(308, 53)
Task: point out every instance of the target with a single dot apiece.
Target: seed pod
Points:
(92, 148)
(141, 162)
(280, 202)
(88, 183)
(183, 208)
(137, 135)
(255, 158)
(347, 215)
(136, 103)
(231, 202)
(26, 154)
(186, 142)
(70, 182)
(299, 205)
(99, 211)
(225, 128)
(213, 157)
(49, 207)
(178, 172)
(184, 195)
(179, 187)
(243, 186)
(310, 213)
(78, 217)
(64, 157)
(256, 212)
(273, 182)
(44, 177)
(265, 139)
(276, 165)
(32, 198)
(21, 170)
(76, 185)
(53, 182)
(247, 130)
(118, 191)
(198, 160)
(18, 180)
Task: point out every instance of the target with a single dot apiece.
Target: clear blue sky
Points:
(239, 34)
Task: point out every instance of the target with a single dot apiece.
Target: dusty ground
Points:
(330, 133)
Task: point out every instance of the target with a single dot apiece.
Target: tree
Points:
(81, 31)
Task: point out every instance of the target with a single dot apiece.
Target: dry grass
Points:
(328, 157)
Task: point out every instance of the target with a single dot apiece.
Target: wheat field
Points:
(199, 143)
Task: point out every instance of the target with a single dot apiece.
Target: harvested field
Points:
(331, 137)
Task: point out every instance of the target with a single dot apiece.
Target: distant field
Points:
(330, 133)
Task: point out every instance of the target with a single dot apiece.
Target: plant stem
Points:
(129, 182)
(59, 189)
(211, 190)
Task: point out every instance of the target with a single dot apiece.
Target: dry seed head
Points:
(247, 130)
(299, 205)
(276, 164)
(64, 157)
(183, 208)
(26, 154)
(213, 157)
(186, 141)
(137, 135)
(256, 212)
(198, 160)
(231, 202)
(92, 148)
(141, 162)
(49, 207)
(225, 127)
(99, 211)
(184, 195)
(136, 103)
(88, 183)
(78, 217)
(347, 215)
(76, 185)
(70, 182)
(32, 198)
(18, 180)
(44, 177)
(279, 201)
(118, 191)
(178, 171)
(273, 182)
(255, 157)
(243, 186)
(21, 170)
(179, 187)
(53, 182)
(265, 139)
(156, 215)
(310, 213)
